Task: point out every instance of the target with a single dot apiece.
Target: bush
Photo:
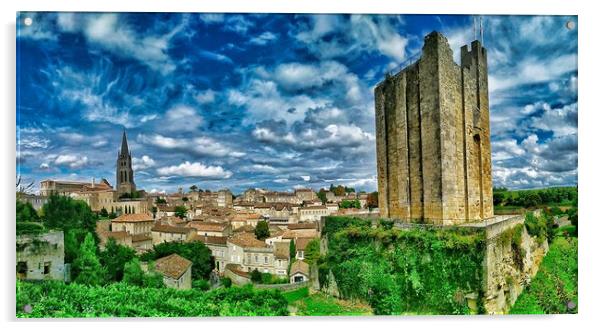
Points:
(256, 276)
(202, 285)
(57, 299)
(226, 282)
(403, 271)
(555, 284)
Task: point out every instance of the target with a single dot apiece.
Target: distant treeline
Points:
(560, 196)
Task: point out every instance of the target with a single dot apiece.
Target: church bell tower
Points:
(125, 173)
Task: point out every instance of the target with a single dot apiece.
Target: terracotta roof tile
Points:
(136, 217)
(214, 240)
(300, 266)
(171, 229)
(303, 225)
(172, 266)
(247, 240)
(281, 250)
(207, 226)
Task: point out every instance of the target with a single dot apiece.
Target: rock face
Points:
(433, 138)
(508, 267)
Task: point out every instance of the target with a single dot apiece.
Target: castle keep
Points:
(433, 138)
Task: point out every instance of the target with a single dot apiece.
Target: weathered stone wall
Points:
(506, 271)
(432, 138)
(41, 256)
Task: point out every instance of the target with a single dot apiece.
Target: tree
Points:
(498, 198)
(89, 270)
(194, 188)
(114, 257)
(180, 211)
(339, 190)
(312, 251)
(65, 213)
(255, 276)
(573, 217)
(226, 282)
(185, 199)
(132, 273)
(348, 204)
(160, 200)
(26, 212)
(262, 230)
(104, 213)
(196, 252)
(372, 201)
(292, 250)
(154, 211)
(322, 196)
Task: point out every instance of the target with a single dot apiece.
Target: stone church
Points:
(433, 138)
(124, 172)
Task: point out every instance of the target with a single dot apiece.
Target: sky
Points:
(277, 101)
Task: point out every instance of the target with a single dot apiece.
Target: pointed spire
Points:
(124, 144)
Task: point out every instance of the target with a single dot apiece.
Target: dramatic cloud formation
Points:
(273, 101)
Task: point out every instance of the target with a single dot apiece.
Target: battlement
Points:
(476, 53)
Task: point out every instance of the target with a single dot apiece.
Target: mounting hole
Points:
(27, 21)
(570, 25)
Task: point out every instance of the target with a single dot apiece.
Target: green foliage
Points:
(536, 226)
(88, 268)
(295, 295)
(403, 271)
(114, 257)
(132, 195)
(201, 284)
(180, 211)
(226, 282)
(292, 250)
(65, 213)
(194, 188)
(320, 304)
(160, 200)
(350, 204)
(312, 251)
(56, 299)
(196, 252)
(29, 228)
(26, 212)
(535, 197)
(262, 230)
(185, 199)
(322, 196)
(573, 218)
(133, 273)
(256, 276)
(555, 284)
(104, 213)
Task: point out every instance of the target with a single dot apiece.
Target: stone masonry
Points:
(433, 139)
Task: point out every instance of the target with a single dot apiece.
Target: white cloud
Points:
(264, 38)
(206, 96)
(305, 177)
(182, 118)
(71, 160)
(196, 169)
(142, 163)
(196, 145)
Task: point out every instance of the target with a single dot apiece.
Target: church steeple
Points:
(124, 175)
(124, 144)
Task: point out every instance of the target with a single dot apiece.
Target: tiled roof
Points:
(300, 266)
(245, 228)
(314, 207)
(207, 226)
(236, 270)
(303, 225)
(172, 266)
(247, 240)
(281, 250)
(171, 229)
(136, 217)
(301, 243)
(290, 234)
(214, 240)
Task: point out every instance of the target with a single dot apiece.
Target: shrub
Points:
(201, 284)
(226, 282)
(256, 276)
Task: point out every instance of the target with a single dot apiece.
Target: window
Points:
(265, 259)
(256, 258)
(47, 268)
(21, 269)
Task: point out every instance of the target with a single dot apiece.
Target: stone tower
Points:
(125, 173)
(433, 139)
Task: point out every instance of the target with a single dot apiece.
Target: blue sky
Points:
(271, 100)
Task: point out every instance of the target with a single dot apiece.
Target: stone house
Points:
(165, 233)
(142, 242)
(41, 256)
(176, 271)
(300, 246)
(211, 228)
(305, 194)
(250, 254)
(313, 213)
(133, 224)
(299, 272)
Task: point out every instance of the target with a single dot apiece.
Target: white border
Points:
(589, 159)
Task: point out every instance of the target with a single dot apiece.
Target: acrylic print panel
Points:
(191, 165)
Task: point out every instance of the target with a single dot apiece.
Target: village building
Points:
(166, 233)
(219, 249)
(305, 194)
(41, 256)
(176, 271)
(211, 228)
(313, 213)
(299, 272)
(133, 224)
